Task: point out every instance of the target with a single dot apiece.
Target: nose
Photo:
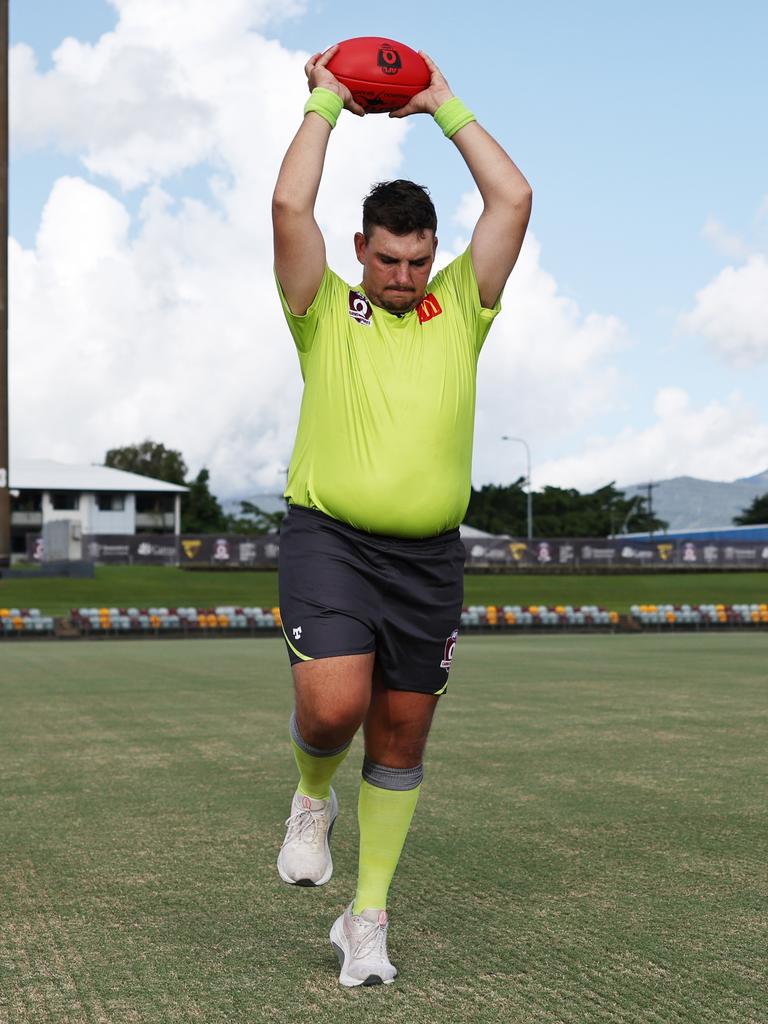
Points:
(403, 275)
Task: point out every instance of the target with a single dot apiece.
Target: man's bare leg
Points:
(332, 698)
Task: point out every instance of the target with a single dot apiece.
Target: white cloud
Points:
(173, 85)
(717, 441)
(732, 312)
(730, 245)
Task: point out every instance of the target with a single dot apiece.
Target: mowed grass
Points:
(590, 843)
(157, 586)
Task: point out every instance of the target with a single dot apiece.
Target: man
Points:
(371, 565)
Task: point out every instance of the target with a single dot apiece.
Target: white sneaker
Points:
(360, 941)
(305, 856)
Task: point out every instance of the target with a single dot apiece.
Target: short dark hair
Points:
(399, 206)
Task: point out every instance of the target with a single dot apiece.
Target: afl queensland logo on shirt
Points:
(360, 308)
(450, 647)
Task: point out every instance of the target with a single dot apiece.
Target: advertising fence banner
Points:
(510, 553)
(593, 553)
(131, 549)
(212, 550)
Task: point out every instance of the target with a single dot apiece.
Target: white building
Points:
(95, 499)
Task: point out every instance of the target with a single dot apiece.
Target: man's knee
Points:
(396, 748)
(327, 727)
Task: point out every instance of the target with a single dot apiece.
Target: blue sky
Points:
(642, 130)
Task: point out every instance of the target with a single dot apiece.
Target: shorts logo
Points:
(296, 632)
(389, 59)
(428, 308)
(450, 647)
(360, 308)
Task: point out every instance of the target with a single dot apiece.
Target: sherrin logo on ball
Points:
(381, 73)
(389, 59)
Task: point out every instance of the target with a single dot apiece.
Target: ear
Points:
(434, 246)
(361, 246)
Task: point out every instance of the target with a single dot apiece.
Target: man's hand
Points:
(319, 76)
(428, 100)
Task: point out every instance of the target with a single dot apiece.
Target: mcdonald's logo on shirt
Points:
(428, 308)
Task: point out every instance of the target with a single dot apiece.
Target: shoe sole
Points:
(337, 941)
(307, 883)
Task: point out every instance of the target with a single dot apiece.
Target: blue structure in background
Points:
(719, 533)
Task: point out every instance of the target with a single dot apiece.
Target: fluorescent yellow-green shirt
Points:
(384, 441)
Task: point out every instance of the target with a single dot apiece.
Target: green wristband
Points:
(326, 103)
(453, 115)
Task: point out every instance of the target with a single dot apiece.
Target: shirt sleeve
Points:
(458, 280)
(304, 328)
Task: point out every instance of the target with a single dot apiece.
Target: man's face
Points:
(396, 268)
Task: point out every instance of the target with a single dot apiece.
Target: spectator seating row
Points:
(700, 614)
(24, 620)
(146, 620)
(231, 619)
(478, 616)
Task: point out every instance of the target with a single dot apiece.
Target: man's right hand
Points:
(319, 76)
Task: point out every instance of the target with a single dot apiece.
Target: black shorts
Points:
(344, 591)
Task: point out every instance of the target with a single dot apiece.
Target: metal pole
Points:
(523, 442)
(5, 494)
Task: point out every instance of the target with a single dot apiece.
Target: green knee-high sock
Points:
(384, 816)
(315, 773)
(316, 767)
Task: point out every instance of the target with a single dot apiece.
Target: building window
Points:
(27, 501)
(153, 504)
(65, 500)
(110, 502)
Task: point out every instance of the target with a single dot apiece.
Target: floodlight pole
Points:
(5, 494)
(521, 441)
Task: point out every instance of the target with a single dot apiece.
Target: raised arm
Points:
(498, 234)
(299, 244)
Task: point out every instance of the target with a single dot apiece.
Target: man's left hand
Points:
(428, 100)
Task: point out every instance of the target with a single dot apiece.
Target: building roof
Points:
(47, 475)
(471, 532)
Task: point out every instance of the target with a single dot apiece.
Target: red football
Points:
(381, 74)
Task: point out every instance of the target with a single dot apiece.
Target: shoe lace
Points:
(371, 941)
(303, 825)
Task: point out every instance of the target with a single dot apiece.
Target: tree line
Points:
(494, 508)
(560, 511)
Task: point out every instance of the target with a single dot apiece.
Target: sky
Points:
(145, 141)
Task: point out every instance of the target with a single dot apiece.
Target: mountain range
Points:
(686, 502)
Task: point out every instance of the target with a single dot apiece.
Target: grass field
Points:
(590, 845)
(142, 586)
